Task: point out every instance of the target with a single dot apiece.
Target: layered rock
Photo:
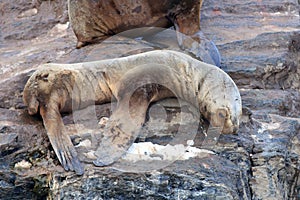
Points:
(259, 42)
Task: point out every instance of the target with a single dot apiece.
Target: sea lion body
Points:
(95, 20)
(56, 88)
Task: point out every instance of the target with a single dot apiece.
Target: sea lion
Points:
(134, 81)
(94, 21)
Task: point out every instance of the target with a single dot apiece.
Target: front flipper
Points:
(201, 47)
(59, 140)
(206, 50)
(122, 129)
(191, 39)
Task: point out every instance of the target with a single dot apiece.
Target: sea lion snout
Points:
(222, 118)
(33, 106)
(231, 125)
(29, 97)
(231, 129)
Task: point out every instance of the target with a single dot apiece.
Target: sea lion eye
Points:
(221, 115)
(45, 77)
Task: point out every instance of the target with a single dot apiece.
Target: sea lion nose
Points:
(235, 123)
(235, 129)
(33, 106)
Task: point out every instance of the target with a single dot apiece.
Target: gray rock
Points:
(259, 42)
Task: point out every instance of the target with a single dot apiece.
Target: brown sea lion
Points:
(134, 81)
(95, 20)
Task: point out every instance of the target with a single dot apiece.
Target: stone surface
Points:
(260, 46)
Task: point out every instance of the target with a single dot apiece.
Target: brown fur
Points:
(56, 88)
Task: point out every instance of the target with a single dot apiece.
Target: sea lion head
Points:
(36, 85)
(223, 105)
(227, 119)
(41, 85)
(228, 114)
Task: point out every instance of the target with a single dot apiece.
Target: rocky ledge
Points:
(260, 46)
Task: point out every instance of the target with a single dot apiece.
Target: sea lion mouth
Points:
(231, 126)
(230, 130)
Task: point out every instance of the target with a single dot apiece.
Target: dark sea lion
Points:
(95, 20)
(56, 88)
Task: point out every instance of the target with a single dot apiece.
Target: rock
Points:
(254, 39)
(195, 179)
(28, 13)
(11, 91)
(30, 19)
(259, 42)
(23, 165)
(274, 165)
(7, 139)
(26, 142)
(262, 102)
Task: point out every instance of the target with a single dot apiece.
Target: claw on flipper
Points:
(60, 141)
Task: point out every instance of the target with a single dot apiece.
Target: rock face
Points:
(260, 46)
